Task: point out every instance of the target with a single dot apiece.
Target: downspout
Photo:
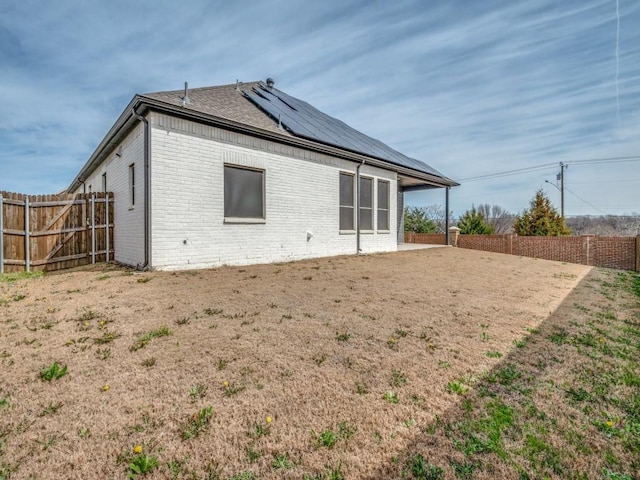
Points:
(358, 249)
(446, 217)
(147, 138)
(84, 187)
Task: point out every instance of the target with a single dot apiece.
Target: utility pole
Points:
(560, 177)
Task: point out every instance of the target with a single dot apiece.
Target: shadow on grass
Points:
(564, 403)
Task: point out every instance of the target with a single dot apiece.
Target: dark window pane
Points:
(383, 194)
(366, 222)
(346, 218)
(346, 190)
(383, 219)
(366, 192)
(243, 193)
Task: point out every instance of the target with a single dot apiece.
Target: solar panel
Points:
(303, 120)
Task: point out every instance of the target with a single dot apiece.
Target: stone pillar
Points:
(588, 248)
(453, 236)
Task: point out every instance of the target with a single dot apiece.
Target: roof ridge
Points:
(211, 87)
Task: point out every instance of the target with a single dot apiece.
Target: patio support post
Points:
(446, 216)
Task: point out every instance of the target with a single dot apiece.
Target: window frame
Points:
(379, 209)
(369, 209)
(352, 176)
(246, 220)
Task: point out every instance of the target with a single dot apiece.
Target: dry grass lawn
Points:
(364, 367)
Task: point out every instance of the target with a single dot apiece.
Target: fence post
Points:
(637, 253)
(93, 228)
(512, 238)
(106, 210)
(27, 239)
(1, 237)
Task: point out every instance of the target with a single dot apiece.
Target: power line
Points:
(585, 201)
(510, 172)
(518, 171)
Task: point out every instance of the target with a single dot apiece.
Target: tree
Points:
(472, 222)
(500, 219)
(416, 220)
(541, 219)
(435, 214)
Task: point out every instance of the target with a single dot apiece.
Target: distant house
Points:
(241, 174)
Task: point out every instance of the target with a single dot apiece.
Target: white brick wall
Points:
(128, 220)
(188, 229)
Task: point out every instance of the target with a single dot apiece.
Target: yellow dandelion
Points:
(269, 419)
(225, 384)
(609, 423)
(86, 324)
(137, 449)
(105, 388)
(392, 340)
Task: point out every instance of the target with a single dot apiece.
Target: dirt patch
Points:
(351, 358)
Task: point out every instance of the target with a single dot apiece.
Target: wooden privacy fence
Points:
(53, 232)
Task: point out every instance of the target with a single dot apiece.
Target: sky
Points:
(473, 88)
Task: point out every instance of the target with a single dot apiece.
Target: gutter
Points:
(147, 148)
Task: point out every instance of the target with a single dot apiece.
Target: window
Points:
(243, 193)
(383, 205)
(132, 184)
(366, 203)
(104, 182)
(346, 201)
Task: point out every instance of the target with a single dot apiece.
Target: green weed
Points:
(281, 462)
(213, 311)
(51, 409)
(422, 470)
(141, 465)
(343, 337)
(398, 379)
(12, 277)
(149, 362)
(362, 388)
(197, 423)
(493, 354)
(258, 430)
(391, 397)
(328, 438)
(197, 392)
(145, 339)
(457, 387)
(52, 372)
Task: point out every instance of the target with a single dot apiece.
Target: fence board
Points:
(58, 232)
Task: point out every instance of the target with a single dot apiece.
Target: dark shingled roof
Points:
(256, 105)
(224, 101)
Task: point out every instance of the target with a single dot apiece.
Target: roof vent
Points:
(185, 99)
(270, 82)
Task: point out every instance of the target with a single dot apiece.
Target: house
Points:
(244, 173)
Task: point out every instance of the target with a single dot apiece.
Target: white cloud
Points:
(469, 87)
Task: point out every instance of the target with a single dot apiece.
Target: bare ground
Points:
(314, 345)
